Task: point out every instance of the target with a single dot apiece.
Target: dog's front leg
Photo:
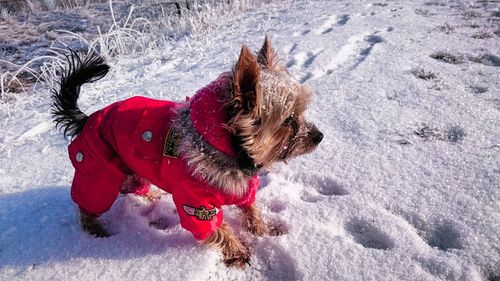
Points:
(235, 253)
(253, 222)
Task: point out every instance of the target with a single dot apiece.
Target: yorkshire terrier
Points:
(205, 151)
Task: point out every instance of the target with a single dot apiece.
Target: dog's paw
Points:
(92, 225)
(276, 229)
(101, 233)
(96, 229)
(236, 254)
(160, 223)
(271, 229)
(258, 229)
(238, 259)
(153, 194)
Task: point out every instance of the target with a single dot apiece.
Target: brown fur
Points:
(267, 56)
(269, 114)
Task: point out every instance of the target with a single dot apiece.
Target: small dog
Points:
(205, 151)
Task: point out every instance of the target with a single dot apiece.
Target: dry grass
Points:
(447, 57)
(35, 6)
(424, 12)
(446, 28)
(435, 3)
(472, 14)
(483, 34)
(453, 133)
(486, 59)
(477, 89)
(423, 73)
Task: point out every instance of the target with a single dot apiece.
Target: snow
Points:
(404, 186)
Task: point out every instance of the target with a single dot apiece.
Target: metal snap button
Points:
(79, 157)
(147, 136)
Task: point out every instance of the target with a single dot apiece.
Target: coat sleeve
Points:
(198, 207)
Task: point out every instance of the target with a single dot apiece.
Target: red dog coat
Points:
(134, 136)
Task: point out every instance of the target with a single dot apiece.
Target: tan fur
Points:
(253, 223)
(245, 77)
(235, 253)
(276, 97)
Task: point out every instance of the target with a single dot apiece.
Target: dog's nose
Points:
(317, 137)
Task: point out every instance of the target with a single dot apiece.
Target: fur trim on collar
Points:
(207, 163)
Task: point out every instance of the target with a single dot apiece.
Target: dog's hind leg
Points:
(92, 225)
(141, 187)
(135, 184)
(153, 194)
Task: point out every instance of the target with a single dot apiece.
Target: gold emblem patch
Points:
(171, 146)
(201, 213)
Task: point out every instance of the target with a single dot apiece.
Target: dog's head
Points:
(267, 109)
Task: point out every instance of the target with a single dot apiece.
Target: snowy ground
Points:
(405, 185)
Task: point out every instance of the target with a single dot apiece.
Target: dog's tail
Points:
(67, 116)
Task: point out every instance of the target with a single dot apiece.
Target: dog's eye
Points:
(288, 121)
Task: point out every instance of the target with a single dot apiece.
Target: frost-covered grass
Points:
(34, 6)
(125, 35)
(447, 57)
(422, 73)
(404, 186)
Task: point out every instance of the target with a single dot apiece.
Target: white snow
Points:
(404, 186)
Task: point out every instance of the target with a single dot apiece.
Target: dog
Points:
(205, 151)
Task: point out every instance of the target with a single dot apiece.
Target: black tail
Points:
(65, 111)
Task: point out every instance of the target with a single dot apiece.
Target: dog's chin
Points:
(285, 158)
(296, 152)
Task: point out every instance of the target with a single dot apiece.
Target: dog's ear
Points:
(267, 55)
(245, 78)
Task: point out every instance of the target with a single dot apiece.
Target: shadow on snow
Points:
(40, 226)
